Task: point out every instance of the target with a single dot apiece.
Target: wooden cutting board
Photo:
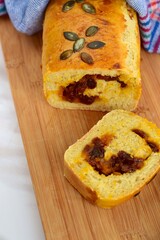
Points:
(47, 133)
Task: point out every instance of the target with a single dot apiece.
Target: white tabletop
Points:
(19, 216)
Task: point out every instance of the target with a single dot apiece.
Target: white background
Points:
(19, 216)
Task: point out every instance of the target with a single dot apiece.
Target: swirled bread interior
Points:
(115, 159)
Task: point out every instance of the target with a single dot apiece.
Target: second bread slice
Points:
(115, 159)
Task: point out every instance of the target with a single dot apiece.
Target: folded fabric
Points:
(27, 17)
(2, 8)
(149, 22)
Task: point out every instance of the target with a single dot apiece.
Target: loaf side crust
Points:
(118, 29)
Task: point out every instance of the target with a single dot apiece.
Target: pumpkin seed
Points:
(66, 54)
(71, 36)
(68, 6)
(91, 31)
(78, 45)
(95, 44)
(89, 8)
(79, 1)
(87, 58)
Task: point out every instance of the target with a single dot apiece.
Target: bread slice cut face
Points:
(115, 159)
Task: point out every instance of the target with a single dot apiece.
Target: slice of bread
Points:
(115, 159)
(100, 76)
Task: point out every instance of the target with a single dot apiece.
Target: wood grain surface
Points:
(47, 133)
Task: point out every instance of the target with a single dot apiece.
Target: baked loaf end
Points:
(115, 159)
(111, 80)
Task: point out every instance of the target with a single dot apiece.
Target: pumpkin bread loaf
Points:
(91, 55)
(115, 159)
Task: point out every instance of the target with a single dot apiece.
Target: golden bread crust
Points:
(87, 192)
(78, 21)
(120, 56)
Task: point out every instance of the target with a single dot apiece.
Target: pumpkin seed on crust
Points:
(78, 45)
(95, 44)
(71, 36)
(89, 8)
(68, 6)
(91, 31)
(87, 58)
(66, 54)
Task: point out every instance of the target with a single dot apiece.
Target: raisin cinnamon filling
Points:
(74, 92)
(144, 135)
(153, 146)
(108, 79)
(117, 164)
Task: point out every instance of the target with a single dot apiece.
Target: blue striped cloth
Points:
(2, 7)
(149, 23)
(27, 17)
